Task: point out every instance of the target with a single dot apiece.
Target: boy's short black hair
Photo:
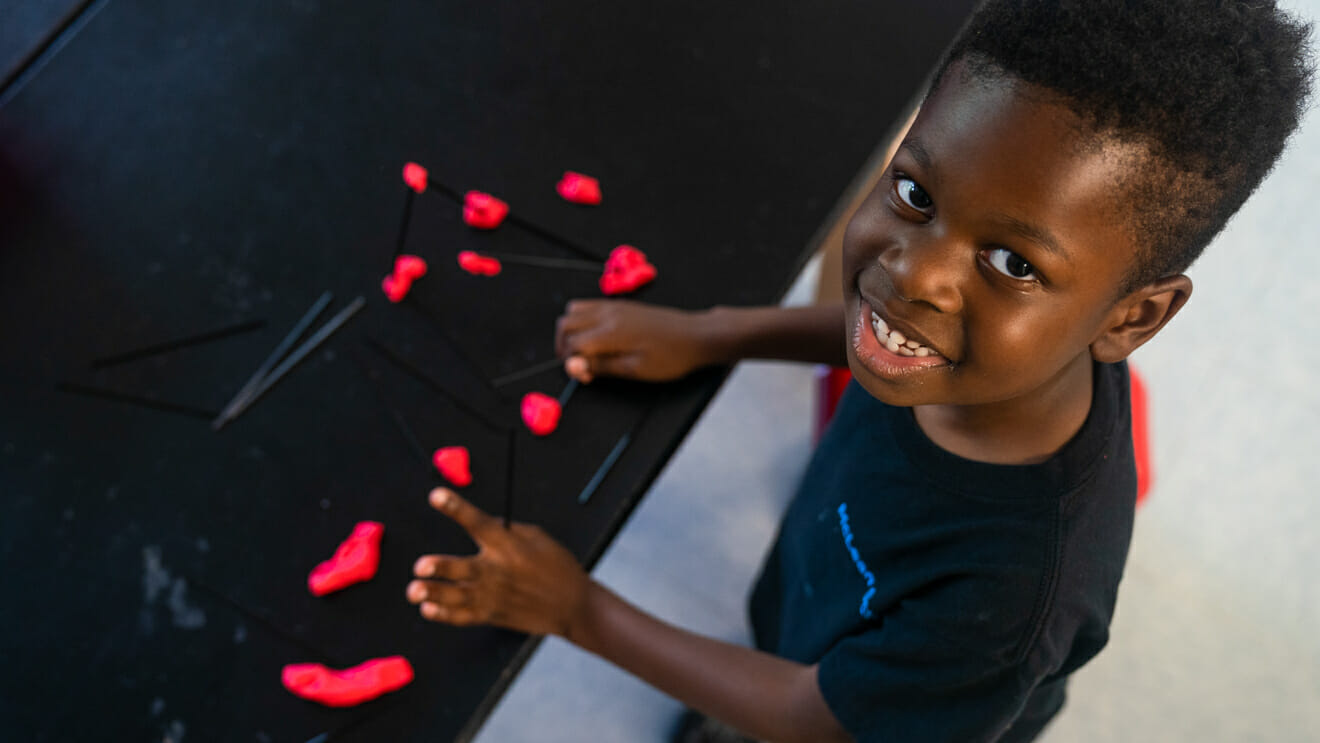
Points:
(1211, 89)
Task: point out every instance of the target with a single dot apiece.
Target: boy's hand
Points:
(619, 338)
(519, 578)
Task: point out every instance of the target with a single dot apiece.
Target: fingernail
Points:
(421, 569)
(439, 497)
(416, 592)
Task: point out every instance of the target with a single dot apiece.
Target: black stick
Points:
(399, 422)
(424, 378)
(405, 223)
(536, 260)
(508, 479)
(294, 358)
(604, 468)
(255, 380)
(167, 346)
(569, 389)
(146, 402)
(454, 346)
(530, 371)
(522, 224)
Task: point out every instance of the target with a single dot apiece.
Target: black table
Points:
(169, 168)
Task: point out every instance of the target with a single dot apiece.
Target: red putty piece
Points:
(579, 188)
(478, 264)
(351, 686)
(410, 267)
(483, 211)
(395, 288)
(455, 464)
(541, 413)
(355, 561)
(626, 270)
(415, 176)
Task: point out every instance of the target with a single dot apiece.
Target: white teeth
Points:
(895, 341)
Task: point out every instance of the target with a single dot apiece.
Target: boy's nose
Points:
(930, 271)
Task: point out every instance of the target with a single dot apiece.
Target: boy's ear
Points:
(1137, 317)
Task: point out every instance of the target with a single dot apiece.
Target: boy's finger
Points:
(616, 365)
(445, 567)
(461, 616)
(435, 592)
(578, 368)
(473, 520)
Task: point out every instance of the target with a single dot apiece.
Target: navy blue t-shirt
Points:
(946, 599)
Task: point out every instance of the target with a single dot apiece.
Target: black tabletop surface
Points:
(172, 169)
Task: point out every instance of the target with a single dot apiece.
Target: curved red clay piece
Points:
(579, 188)
(626, 270)
(355, 561)
(541, 413)
(455, 464)
(483, 211)
(415, 176)
(395, 288)
(351, 686)
(410, 267)
(478, 264)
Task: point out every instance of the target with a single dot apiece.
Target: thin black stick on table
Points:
(255, 380)
(454, 346)
(145, 402)
(530, 371)
(508, 478)
(405, 223)
(569, 389)
(546, 262)
(171, 345)
(409, 435)
(521, 223)
(311, 344)
(421, 376)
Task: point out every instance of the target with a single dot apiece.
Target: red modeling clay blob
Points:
(478, 264)
(625, 270)
(410, 267)
(351, 686)
(453, 462)
(541, 413)
(415, 176)
(355, 560)
(483, 211)
(396, 288)
(578, 188)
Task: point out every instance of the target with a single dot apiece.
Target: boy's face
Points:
(995, 241)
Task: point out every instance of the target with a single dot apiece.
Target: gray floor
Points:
(1215, 638)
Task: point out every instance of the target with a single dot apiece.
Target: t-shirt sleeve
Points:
(917, 677)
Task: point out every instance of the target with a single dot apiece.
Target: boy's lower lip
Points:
(878, 359)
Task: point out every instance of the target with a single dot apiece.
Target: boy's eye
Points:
(913, 195)
(1010, 264)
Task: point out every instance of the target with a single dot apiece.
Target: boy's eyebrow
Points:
(917, 151)
(1033, 233)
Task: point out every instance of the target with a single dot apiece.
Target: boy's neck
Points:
(1025, 430)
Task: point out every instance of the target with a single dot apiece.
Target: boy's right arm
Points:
(621, 338)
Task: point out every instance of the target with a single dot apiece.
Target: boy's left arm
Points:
(522, 579)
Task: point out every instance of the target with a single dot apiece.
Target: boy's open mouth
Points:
(887, 351)
(895, 340)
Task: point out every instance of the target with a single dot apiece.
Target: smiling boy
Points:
(955, 549)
